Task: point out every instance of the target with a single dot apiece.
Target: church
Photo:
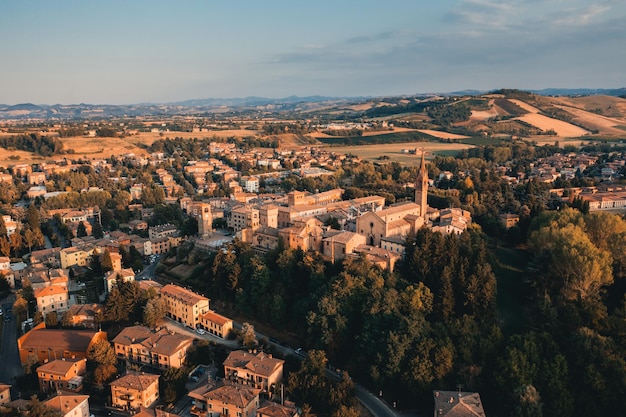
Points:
(400, 219)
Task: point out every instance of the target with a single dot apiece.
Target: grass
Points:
(481, 141)
(397, 137)
(511, 289)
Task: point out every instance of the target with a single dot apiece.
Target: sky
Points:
(125, 52)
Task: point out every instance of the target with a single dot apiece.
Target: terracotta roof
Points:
(132, 334)
(161, 342)
(58, 339)
(58, 367)
(238, 396)
(343, 237)
(213, 317)
(88, 310)
(139, 382)
(51, 290)
(182, 294)
(260, 364)
(458, 404)
(271, 409)
(66, 403)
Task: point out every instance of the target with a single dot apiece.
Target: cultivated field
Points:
(394, 150)
(604, 125)
(561, 128)
(525, 106)
(442, 135)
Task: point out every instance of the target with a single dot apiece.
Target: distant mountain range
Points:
(29, 111)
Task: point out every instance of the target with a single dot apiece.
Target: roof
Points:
(182, 294)
(135, 381)
(260, 364)
(272, 409)
(66, 403)
(213, 317)
(58, 367)
(398, 208)
(162, 342)
(458, 404)
(88, 310)
(238, 396)
(4, 387)
(343, 237)
(58, 339)
(51, 290)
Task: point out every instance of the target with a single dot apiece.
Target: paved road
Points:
(374, 404)
(10, 366)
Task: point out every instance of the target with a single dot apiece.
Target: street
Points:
(10, 366)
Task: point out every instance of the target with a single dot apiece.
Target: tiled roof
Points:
(161, 342)
(260, 364)
(182, 294)
(58, 339)
(271, 409)
(213, 317)
(58, 367)
(139, 382)
(66, 403)
(235, 395)
(458, 404)
(51, 290)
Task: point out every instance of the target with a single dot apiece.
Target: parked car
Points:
(200, 331)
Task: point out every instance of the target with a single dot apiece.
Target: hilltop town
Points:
(258, 274)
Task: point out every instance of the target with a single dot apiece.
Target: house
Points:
(62, 375)
(160, 349)
(258, 371)
(5, 394)
(272, 409)
(52, 298)
(84, 315)
(508, 220)
(163, 230)
(75, 256)
(183, 305)
(125, 275)
(216, 400)
(458, 404)
(215, 324)
(135, 390)
(70, 405)
(49, 344)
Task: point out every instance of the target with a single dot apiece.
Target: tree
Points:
(33, 220)
(81, 231)
(106, 263)
(5, 246)
(173, 384)
(101, 353)
(97, 231)
(247, 337)
(155, 310)
(52, 319)
(36, 408)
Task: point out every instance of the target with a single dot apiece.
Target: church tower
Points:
(421, 188)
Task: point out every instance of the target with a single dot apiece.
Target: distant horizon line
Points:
(581, 90)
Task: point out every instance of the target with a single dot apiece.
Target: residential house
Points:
(183, 305)
(135, 390)
(75, 256)
(84, 315)
(215, 324)
(70, 405)
(458, 404)
(62, 375)
(272, 409)
(160, 349)
(52, 298)
(5, 394)
(217, 400)
(508, 220)
(259, 370)
(124, 275)
(162, 231)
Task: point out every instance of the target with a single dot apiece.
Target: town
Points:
(242, 276)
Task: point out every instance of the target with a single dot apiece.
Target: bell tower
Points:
(421, 187)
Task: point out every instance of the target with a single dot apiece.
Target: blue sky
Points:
(121, 52)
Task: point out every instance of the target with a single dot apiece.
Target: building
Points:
(5, 394)
(202, 213)
(421, 188)
(70, 405)
(508, 220)
(135, 390)
(160, 349)
(338, 244)
(225, 400)
(125, 275)
(272, 409)
(52, 298)
(215, 324)
(75, 256)
(398, 219)
(258, 371)
(50, 344)
(183, 305)
(62, 375)
(244, 217)
(84, 315)
(163, 230)
(458, 404)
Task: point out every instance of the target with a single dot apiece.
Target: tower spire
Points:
(421, 187)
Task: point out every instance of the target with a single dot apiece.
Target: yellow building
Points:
(225, 400)
(216, 324)
(183, 305)
(134, 390)
(75, 256)
(69, 405)
(62, 374)
(258, 371)
(52, 298)
(161, 349)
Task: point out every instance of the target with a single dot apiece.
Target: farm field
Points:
(562, 129)
(394, 150)
(442, 135)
